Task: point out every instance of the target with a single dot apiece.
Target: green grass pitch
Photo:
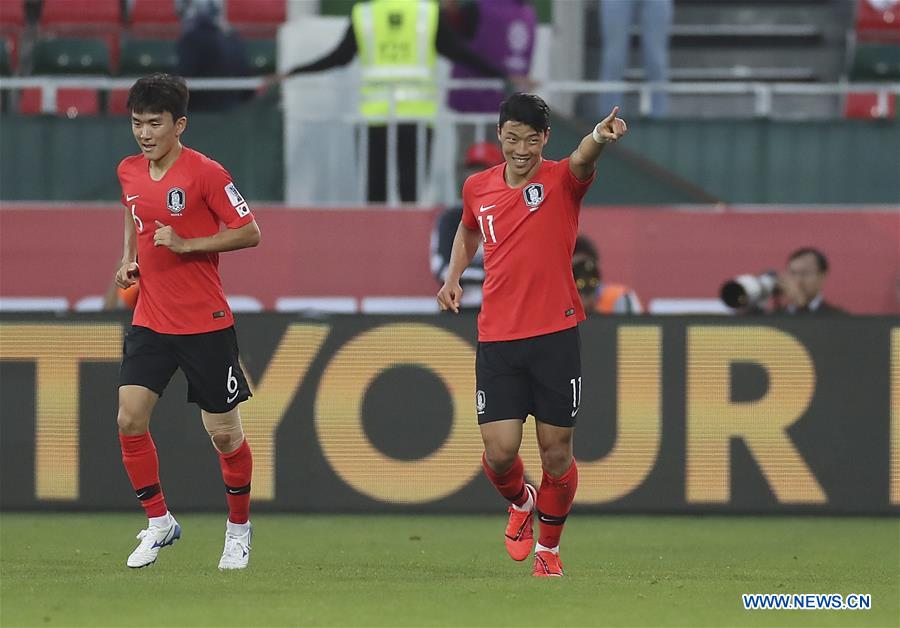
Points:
(69, 570)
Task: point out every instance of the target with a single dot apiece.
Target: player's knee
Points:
(131, 423)
(500, 457)
(228, 440)
(224, 430)
(556, 459)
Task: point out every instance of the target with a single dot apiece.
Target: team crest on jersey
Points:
(534, 195)
(480, 401)
(175, 200)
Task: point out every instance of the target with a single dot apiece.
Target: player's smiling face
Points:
(156, 133)
(522, 147)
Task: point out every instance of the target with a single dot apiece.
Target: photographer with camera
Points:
(598, 296)
(797, 291)
(801, 285)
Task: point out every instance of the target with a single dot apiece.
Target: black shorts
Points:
(209, 361)
(540, 376)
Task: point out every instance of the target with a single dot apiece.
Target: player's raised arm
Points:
(584, 159)
(465, 245)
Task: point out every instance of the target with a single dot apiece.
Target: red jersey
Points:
(181, 294)
(529, 235)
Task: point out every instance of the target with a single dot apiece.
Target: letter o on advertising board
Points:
(340, 429)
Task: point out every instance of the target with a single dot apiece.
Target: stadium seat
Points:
(876, 22)
(875, 62)
(94, 14)
(255, 11)
(71, 56)
(143, 56)
(70, 101)
(865, 106)
(261, 55)
(256, 17)
(153, 15)
(12, 14)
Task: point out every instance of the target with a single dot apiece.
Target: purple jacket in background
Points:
(505, 35)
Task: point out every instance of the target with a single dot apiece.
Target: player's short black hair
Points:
(528, 109)
(821, 260)
(158, 93)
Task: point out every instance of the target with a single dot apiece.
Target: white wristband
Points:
(597, 137)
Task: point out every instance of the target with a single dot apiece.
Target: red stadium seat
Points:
(877, 21)
(154, 18)
(116, 105)
(93, 13)
(73, 102)
(865, 106)
(70, 102)
(256, 17)
(12, 14)
(30, 101)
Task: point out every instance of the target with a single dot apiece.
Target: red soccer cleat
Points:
(547, 564)
(519, 530)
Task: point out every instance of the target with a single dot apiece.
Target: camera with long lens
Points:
(749, 291)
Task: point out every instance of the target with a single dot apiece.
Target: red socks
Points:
(237, 469)
(554, 501)
(142, 466)
(510, 483)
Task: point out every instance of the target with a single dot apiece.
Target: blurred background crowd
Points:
(761, 173)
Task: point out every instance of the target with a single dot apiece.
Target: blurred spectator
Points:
(388, 36)
(479, 157)
(208, 47)
(616, 19)
(801, 285)
(500, 30)
(598, 296)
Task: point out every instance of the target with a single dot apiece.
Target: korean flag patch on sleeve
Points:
(240, 205)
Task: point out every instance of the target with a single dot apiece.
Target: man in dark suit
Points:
(801, 285)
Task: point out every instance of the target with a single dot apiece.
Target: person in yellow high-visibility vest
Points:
(398, 42)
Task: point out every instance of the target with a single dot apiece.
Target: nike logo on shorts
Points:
(575, 411)
(129, 197)
(483, 209)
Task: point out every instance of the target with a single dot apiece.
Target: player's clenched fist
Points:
(610, 128)
(166, 236)
(127, 275)
(449, 295)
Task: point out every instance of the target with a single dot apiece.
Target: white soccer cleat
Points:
(151, 541)
(236, 554)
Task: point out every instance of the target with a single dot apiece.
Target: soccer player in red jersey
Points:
(525, 213)
(176, 202)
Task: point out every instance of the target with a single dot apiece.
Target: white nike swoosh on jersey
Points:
(484, 209)
(130, 198)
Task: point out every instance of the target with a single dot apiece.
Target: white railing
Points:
(321, 125)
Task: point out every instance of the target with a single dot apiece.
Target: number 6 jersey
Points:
(181, 294)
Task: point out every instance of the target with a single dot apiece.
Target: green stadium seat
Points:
(261, 55)
(876, 62)
(144, 56)
(71, 56)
